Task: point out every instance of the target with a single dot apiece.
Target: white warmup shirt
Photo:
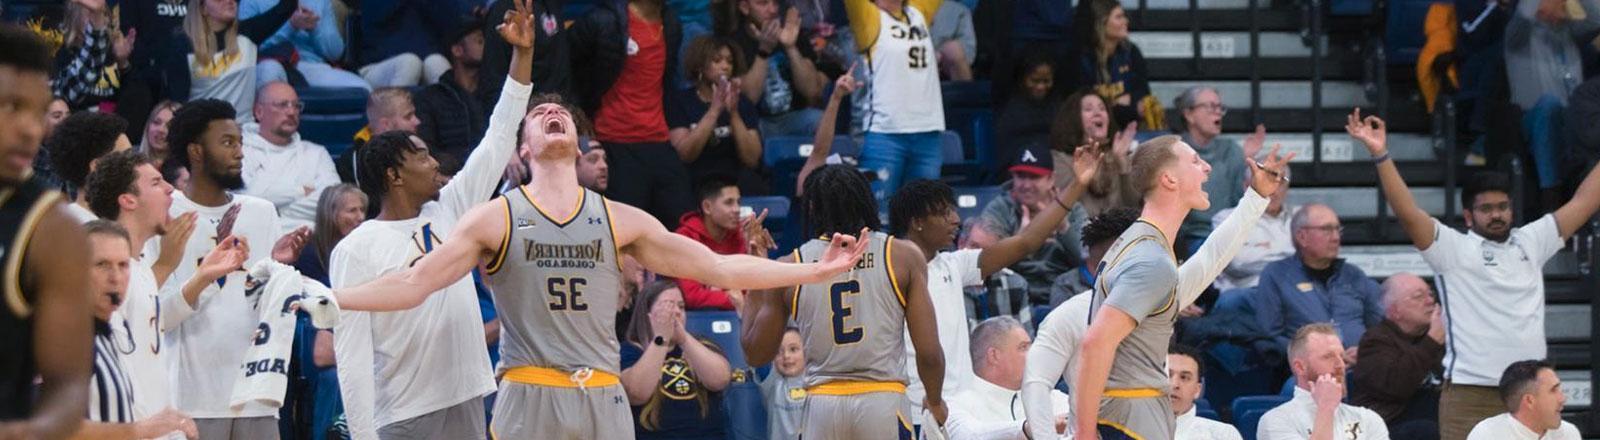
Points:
(948, 273)
(985, 411)
(292, 176)
(396, 366)
(1191, 427)
(1293, 421)
(1505, 427)
(1271, 240)
(208, 341)
(1057, 342)
(1493, 298)
(80, 213)
(139, 318)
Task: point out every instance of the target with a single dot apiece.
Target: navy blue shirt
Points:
(1291, 298)
(720, 156)
(678, 401)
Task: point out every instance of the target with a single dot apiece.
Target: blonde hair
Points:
(1150, 158)
(199, 30)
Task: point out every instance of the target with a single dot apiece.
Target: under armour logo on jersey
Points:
(947, 278)
(595, 221)
(523, 223)
(1354, 431)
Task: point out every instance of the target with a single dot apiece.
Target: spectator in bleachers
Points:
(1544, 65)
(154, 143)
(1480, 51)
(784, 389)
(1399, 368)
(990, 406)
(453, 119)
(92, 54)
(624, 60)
(215, 58)
(1026, 117)
(308, 44)
(955, 40)
(388, 109)
(718, 226)
(674, 380)
(713, 127)
(593, 173)
(84, 138)
(1315, 412)
(1583, 107)
(1113, 66)
(279, 165)
(1533, 398)
(1096, 236)
(57, 112)
(1053, 356)
(159, 25)
(1315, 285)
(1271, 240)
(1029, 194)
(399, 40)
(822, 141)
(924, 212)
(779, 65)
(1083, 121)
(341, 208)
(1202, 125)
(906, 111)
(1491, 278)
(111, 412)
(552, 69)
(1187, 371)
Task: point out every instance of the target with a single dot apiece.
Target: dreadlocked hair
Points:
(838, 200)
(384, 152)
(918, 199)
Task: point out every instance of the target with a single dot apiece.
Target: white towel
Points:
(278, 290)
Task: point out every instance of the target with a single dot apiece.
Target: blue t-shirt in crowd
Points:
(678, 402)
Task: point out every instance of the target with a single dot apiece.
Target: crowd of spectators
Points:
(676, 98)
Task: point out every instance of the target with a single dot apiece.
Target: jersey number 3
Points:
(566, 294)
(841, 311)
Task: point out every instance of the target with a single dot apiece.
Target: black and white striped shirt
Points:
(110, 391)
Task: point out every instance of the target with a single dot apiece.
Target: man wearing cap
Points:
(1027, 194)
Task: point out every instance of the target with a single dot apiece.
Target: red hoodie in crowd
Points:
(697, 296)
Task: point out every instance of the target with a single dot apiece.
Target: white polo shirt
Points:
(1293, 421)
(985, 411)
(1493, 297)
(1505, 427)
(948, 274)
(1191, 427)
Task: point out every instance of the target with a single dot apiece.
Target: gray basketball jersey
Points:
(1139, 277)
(853, 326)
(555, 285)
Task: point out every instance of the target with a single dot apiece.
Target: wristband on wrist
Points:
(1063, 205)
(1381, 158)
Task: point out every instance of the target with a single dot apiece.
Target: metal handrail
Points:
(1194, 35)
(1316, 88)
(1255, 62)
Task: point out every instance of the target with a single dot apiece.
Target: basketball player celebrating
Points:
(552, 251)
(44, 315)
(853, 324)
(1121, 389)
(391, 388)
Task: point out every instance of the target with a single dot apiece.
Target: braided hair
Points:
(838, 200)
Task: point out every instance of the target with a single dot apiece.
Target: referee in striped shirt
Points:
(110, 414)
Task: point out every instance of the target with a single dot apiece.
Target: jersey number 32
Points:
(566, 294)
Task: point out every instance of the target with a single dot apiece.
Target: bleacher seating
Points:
(970, 200)
(721, 327)
(1246, 404)
(333, 116)
(785, 155)
(778, 221)
(975, 126)
(1248, 422)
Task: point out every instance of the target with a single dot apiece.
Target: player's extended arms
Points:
(664, 252)
(477, 235)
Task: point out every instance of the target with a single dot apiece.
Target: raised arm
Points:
(1372, 132)
(1224, 242)
(764, 317)
(56, 262)
(1008, 251)
(1575, 213)
(477, 236)
(481, 173)
(673, 255)
(822, 144)
(808, 82)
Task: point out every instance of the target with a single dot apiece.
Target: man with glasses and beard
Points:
(1490, 278)
(211, 332)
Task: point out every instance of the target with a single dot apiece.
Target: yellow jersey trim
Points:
(559, 223)
(551, 377)
(19, 250)
(1133, 393)
(505, 242)
(794, 295)
(616, 245)
(854, 387)
(1119, 427)
(888, 264)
